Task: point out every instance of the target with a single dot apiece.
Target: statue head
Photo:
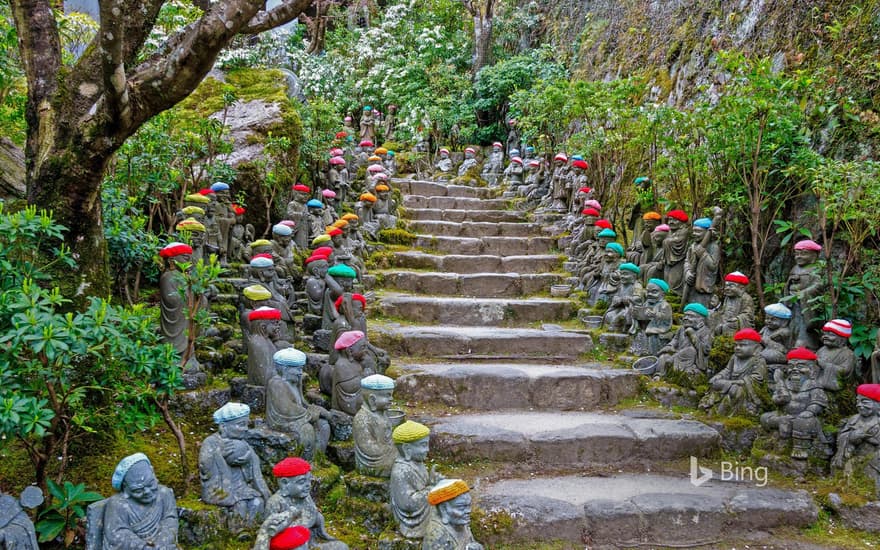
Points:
(469, 153)
(560, 160)
(801, 368)
(735, 284)
(613, 251)
(294, 477)
(629, 273)
(377, 391)
(282, 234)
(700, 228)
(444, 153)
(777, 316)
(222, 192)
(659, 234)
(383, 192)
(176, 254)
(353, 221)
(337, 237)
(232, 420)
(412, 440)
(134, 477)
(352, 343)
(836, 333)
(650, 220)
(301, 193)
(746, 343)
(452, 499)
(866, 406)
(806, 252)
(317, 266)
(344, 275)
(676, 219)
(695, 315)
(266, 322)
(656, 291)
(262, 268)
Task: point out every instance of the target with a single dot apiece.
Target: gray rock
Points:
(474, 311)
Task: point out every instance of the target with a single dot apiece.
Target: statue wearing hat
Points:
(804, 283)
(316, 268)
(351, 309)
(737, 310)
(776, 338)
(450, 518)
(410, 479)
(266, 334)
(443, 167)
(739, 388)
(494, 165)
(385, 208)
(605, 285)
(347, 372)
(296, 212)
(16, 527)
(292, 506)
(675, 248)
(652, 262)
(558, 183)
(283, 249)
(652, 321)
(629, 294)
(174, 319)
(287, 409)
(374, 450)
(368, 124)
(340, 279)
(262, 271)
(142, 514)
(213, 236)
(225, 215)
(229, 468)
(239, 235)
(837, 362)
(858, 440)
(688, 351)
(701, 262)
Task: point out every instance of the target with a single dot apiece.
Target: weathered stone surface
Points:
(533, 263)
(434, 189)
(569, 439)
(456, 263)
(515, 386)
(474, 229)
(497, 246)
(453, 203)
(459, 215)
(864, 518)
(629, 510)
(374, 489)
(487, 285)
(474, 311)
(478, 341)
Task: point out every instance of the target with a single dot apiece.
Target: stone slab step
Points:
(500, 246)
(569, 439)
(478, 263)
(642, 511)
(436, 189)
(433, 341)
(488, 285)
(475, 229)
(454, 215)
(450, 310)
(516, 386)
(453, 203)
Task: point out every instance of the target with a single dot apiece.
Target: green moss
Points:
(397, 236)
(490, 526)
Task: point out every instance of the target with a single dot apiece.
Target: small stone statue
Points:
(513, 137)
(804, 283)
(642, 249)
(675, 248)
(142, 514)
(737, 310)
(858, 441)
(352, 310)
(225, 214)
(800, 402)
(262, 272)
(340, 279)
(173, 305)
(213, 235)
(577, 180)
(688, 351)
(16, 528)
(293, 505)
(776, 337)
(316, 266)
(385, 208)
(701, 263)
(390, 164)
(738, 388)
(494, 166)
(193, 231)
(605, 285)
(410, 479)
(282, 248)
(470, 162)
(348, 372)
(367, 217)
(557, 183)
(266, 333)
(230, 469)
(239, 235)
(652, 321)
(652, 262)
(296, 212)
(374, 450)
(368, 124)
(443, 167)
(513, 174)
(252, 297)
(449, 524)
(629, 294)
(837, 362)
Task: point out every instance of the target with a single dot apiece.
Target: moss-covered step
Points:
(501, 246)
(488, 285)
(555, 439)
(456, 215)
(451, 310)
(477, 263)
(436, 189)
(453, 203)
(641, 510)
(475, 229)
(498, 386)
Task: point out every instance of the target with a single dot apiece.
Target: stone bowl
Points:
(560, 291)
(396, 416)
(590, 321)
(646, 365)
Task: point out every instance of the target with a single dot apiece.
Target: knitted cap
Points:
(323, 251)
(582, 164)
(193, 211)
(697, 308)
(381, 151)
(256, 292)
(705, 223)
(292, 538)
(840, 327)
(382, 187)
(585, 190)
(679, 215)
(302, 188)
(662, 228)
(190, 224)
(627, 266)
(660, 283)
(593, 203)
(261, 261)
(604, 224)
(328, 194)
(590, 212)
(265, 314)
(220, 186)
(231, 411)
(316, 258)
(348, 339)
(652, 216)
(374, 168)
(737, 277)
(342, 270)
(262, 242)
(470, 150)
(747, 334)
(801, 353)
(561, 156)
(808, 245)
(617, 247)
(333, 231)
(289, 357)
(369, 197)
(195, 197)
(409, 432)
(355, 297)
(607, 233)
(315, 203)
(337, 161)
(340, 223)
(206, 192)
(447, 489)
(291, 466)
(350, 217)
(377, 382)
(322, 238)
(516, 160)
(777, 310)
(124, 466)
(174, 249)
(871, 391)
(281, 229)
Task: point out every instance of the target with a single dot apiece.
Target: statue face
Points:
(733, 290)
(291, 373)
(296, 487)
(627, 277)
(590, 220)
(743, 349)
(468, 155)
(697, 233)
(182, 259)
(210, 208)
(805, 257)
(378, 400)
(832, 340)
(265, 274)
(458, 510)
(234, 429)
(347, 283)
(611, 255)
(444, 155)
(358, 349)
(198, 238)
(336, 240)
(654, 293)
(301, 196)
(382, 195)
(275, 329)
(223, 196)
(140, 483)
(650, 225)
(657, 238)
(674, 224)
(417, 451)
(799, 372)
(283, 240)
(866, 406)
(692, 319)
(774, 323)
(352, 225)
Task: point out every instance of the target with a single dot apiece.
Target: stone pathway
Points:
(486, 363)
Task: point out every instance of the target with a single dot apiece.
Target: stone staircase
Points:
(487, 362)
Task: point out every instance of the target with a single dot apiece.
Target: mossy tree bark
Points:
(78, 116)
(483, 13)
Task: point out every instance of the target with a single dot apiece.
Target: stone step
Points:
(453, 203)
(483, 342)
(437, 189)
(475, 229)
(453, 215)
(569, 439)
(516, 386)
(501, 246)
(488, 285)
(642, 510)
(450, 310)
(479, 263)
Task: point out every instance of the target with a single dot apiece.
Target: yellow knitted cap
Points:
(381, 151)
(447, 489)
(195, 197)
(194, 211)
(374, 158)
(340, 223)
(190, 224)
(350, 217)
(261, 242)
(409, 432)
(257, 292)
(382, 187)
(322, 238)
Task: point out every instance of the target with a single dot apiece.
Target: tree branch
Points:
(286, 12)
(112, 37)
(39, 45)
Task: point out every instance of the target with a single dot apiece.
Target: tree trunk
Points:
(482, 41)
(11, 170)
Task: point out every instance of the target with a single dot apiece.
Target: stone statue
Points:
(252, 297)
(239, 235)
(776, 338)
(800, 402)
(629, 294)
(390, 164)
(592, 255)
(410, 479)
(450, 518)
(352, 315)
(513, 138)
(875, 361)
(328, 197)
(534, 186)
(288, 411)
(266, 335)
(605, 284)
(230, 469)
(558, 182)
(577, 180)
(641, 251)
(315, 217)
(494, 165)
(367, 216)
(262, 272)
(443, 167)
(388, 130)
(16, 528)
(688, 351)
(174, 301)
(213, 236)
(837, 362)
(675, 248)
(652, 321)
(296, 212)
(701, 262)
(804, 283)
(335, 179)
(293, 505)
(737, 309)
(339, 280)
(513, 174)
(374, 450)
(193, 231)
(347, 126)
(858, 441)
(470, 162)
(282, 248)
(225, 215)
(385, 208)
(142, 514)
(348, 372)
(653, 263)
(368, 124)
(739, 388)
(316, 267)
